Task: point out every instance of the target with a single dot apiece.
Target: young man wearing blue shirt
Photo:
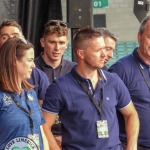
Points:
(86, 100)
(134, 70)
(54, 42)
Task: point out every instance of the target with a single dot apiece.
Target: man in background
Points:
(134, 70)
(54, 42)
(110, 43)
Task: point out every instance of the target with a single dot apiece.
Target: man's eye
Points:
(109, 48)
(5, 37)
(51, 42)
(61, 43)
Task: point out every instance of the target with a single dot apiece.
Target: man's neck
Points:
(145, 59)
(52, 63)
(89, 73)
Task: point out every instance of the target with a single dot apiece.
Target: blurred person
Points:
(20, 116)
(10, 29)
(86, 100)
(51, 61)
(133, 69)
(110, 42)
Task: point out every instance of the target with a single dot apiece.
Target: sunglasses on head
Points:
(21, 40)
(55, 23)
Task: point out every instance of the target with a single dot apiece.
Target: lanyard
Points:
(142, 72)
(29, 114)
(99, 107)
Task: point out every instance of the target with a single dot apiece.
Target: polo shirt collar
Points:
(101, 73)
(63, 61)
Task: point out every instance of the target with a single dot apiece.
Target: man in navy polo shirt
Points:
(86, 100)
(10, 29)
(54, 42)
(134, 70)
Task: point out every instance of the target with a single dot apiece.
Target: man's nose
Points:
(104, 52)
(57, 46)
(110, 55)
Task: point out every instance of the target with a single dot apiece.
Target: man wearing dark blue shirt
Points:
(54, 42)
(134, 70)
(86, 100)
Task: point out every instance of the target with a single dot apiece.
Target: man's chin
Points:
(106, 61)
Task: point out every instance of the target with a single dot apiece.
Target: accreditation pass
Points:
(102, 129)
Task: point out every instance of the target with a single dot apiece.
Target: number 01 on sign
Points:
(100, 3)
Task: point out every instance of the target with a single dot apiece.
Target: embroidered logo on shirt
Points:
(107, 98)
(7, 100)
(30, 97)
(21, 143)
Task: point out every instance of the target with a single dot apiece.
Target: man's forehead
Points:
(9, 30)
(55, 37)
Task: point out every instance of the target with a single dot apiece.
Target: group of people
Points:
(80, 105)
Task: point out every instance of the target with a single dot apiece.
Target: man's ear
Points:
(42, 42)
(80, 53)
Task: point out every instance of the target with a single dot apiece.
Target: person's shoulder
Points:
(37, 71)
(112, 79)
(38, 75)
(110, 75)
(124, 64)
(126, 59)
(69, 63)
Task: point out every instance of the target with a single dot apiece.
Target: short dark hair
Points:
(143, 24)
(81, 38)
(10, 22)
(55, 26)
(13, 48)
(106, 33)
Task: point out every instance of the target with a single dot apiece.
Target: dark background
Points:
(31, 15)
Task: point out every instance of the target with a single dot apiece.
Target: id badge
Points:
(102, 129)
(35, 139)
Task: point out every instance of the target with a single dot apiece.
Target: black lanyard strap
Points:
(99, 107)
(28, 113)
(141, 70)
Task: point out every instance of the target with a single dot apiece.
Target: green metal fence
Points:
(122, 49)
